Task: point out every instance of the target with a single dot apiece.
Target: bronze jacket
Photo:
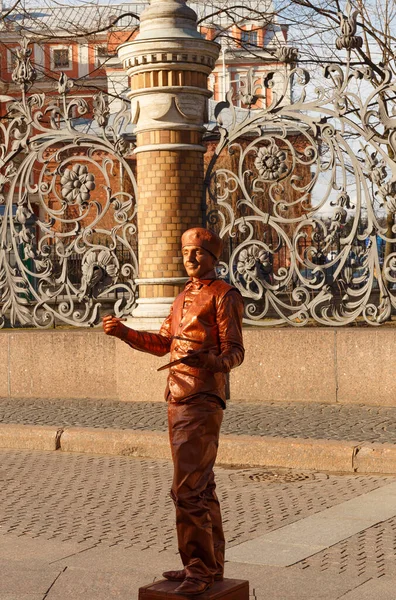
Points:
(213, 321)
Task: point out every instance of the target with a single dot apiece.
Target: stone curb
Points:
(375, 458)
(30, 437)
(233, 450)
(241, 450)
(119, 442)
(292, 453)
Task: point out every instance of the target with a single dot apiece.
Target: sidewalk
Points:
(78, 526)
(337, 438)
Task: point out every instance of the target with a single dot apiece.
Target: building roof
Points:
(248, 9)
(50, 18)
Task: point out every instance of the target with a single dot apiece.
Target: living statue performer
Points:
(205, 317)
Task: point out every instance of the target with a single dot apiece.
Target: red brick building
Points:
(82, 42)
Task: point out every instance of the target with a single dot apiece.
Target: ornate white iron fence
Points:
(303, 191)
(302, 187)
(67, 207)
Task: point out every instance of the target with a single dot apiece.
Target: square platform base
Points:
(228, 589)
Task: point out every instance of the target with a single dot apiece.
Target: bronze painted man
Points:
(206, 316)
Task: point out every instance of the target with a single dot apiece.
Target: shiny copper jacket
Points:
(214, 322)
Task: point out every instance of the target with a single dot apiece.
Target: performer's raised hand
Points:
(113, 326)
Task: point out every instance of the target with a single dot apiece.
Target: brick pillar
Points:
(168, 63)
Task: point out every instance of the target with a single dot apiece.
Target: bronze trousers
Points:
(194, 428)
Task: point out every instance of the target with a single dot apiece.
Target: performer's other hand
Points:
(113, 326)
(205, 360)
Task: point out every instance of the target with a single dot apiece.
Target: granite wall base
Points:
(281, 365)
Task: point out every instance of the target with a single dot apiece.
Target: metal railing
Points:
(303, 192)
(68, 207)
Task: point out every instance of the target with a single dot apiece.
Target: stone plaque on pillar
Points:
(228, 589)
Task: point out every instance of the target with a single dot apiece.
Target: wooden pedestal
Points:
(228, 589)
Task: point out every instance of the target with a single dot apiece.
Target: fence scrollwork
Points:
(67, 206)
(303, 192)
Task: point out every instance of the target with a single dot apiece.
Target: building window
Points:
(61, 58)
(11, 59)
(249, 38)
(101, 55)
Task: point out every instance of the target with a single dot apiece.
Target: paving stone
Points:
(295, 420)
(102, 500)
(375, 588)
(299, 540)
(6, 596)
(18, 579)
(105, 525)
(275, 583)
(96, 585)
(368, 554)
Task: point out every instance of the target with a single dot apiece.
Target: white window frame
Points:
(249, 34)
(70, 54)
(97, 63)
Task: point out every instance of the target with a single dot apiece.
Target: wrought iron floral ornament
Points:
(303, 191)
(253, 263)
(77, 184)
(101, 110)
(24, 73)
(378, 174)
(348, 39)
(67, 208)
(270, 162)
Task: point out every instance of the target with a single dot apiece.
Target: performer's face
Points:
(197, 261)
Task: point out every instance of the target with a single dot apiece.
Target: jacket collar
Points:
(208, 279)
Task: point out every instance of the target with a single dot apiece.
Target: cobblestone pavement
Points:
(116, 504)
(104, 500)
(295, 420)
(369, 553)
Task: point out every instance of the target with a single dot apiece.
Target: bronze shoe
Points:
(181, 575)
(175, 575)
(192, 587)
